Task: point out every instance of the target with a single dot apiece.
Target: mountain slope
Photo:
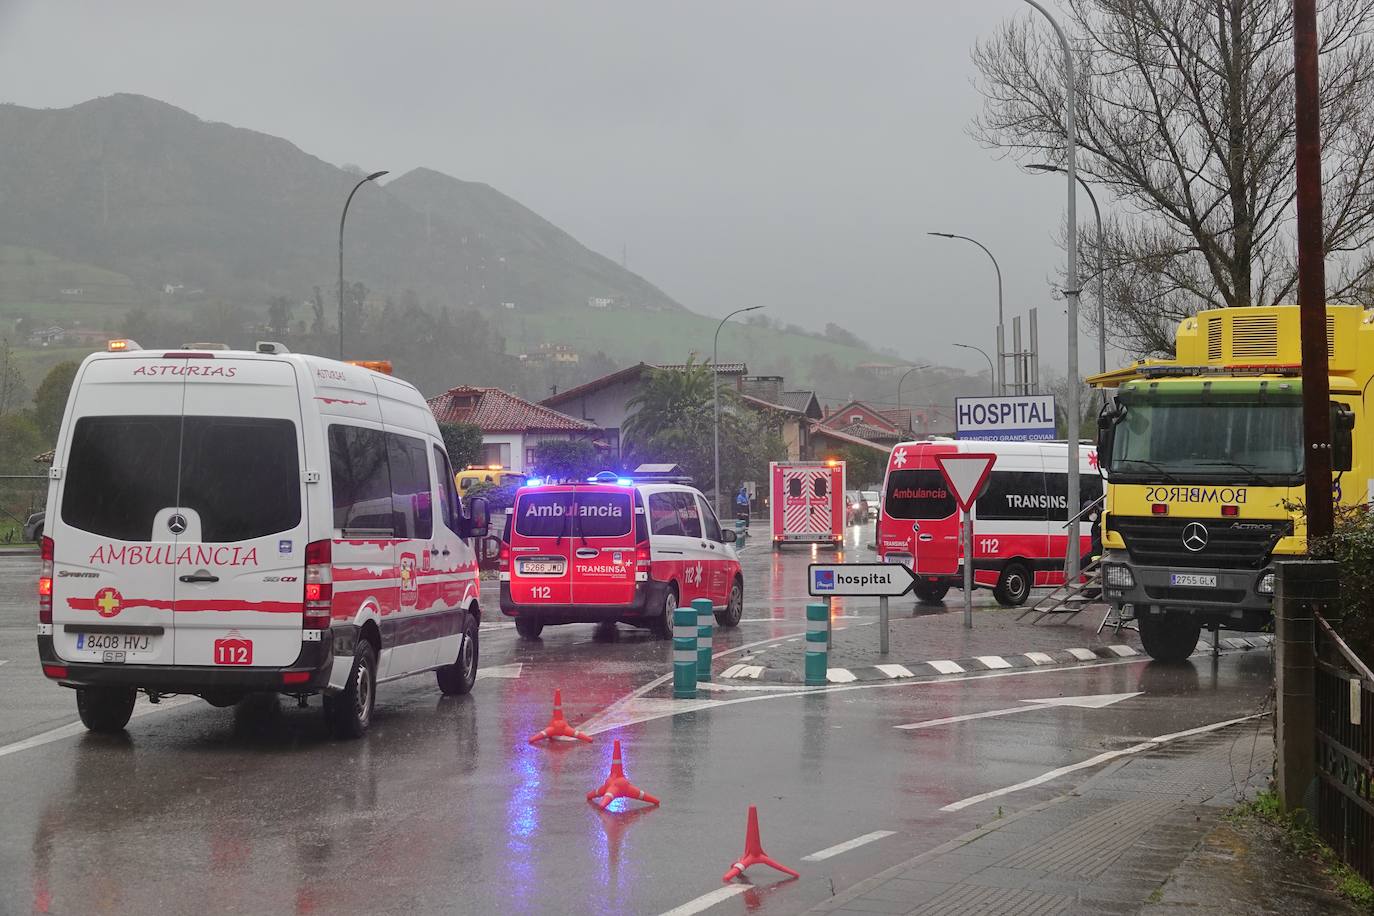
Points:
(142, 188)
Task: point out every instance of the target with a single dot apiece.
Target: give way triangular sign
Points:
(967, 474)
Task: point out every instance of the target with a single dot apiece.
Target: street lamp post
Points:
(1101, 283)
(899, 388)
(1071, 559)
(986, 357)
(342, 218)
(1000, 373)
(715, 398)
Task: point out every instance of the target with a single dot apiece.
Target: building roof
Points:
(803, 402)
(767, 405)
(497, 411)
(825, 432)
(839, 418)
(872, 433)
(629, 373)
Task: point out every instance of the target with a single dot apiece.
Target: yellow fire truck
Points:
(1203, 456)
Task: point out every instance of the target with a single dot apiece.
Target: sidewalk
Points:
(923, 643)
(1147, 831)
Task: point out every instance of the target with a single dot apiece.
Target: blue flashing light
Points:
(625, 482)
(534, 482)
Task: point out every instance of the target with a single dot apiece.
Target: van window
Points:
(1014, 495)
(663, 517)
(411, 502)
(688, 514)
(819, 486)
(603, 515)
(1089, 489)
(122, 470)
(918, 494)
(361, 480)
(794, 487)
(544, 514)
(218, 454)
(712, 526)
(447, 497)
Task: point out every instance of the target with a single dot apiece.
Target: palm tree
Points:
(671, 418)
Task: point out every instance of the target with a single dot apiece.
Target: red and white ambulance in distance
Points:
(225, 522)
(1019, 533)
(613, 549)
(807, 500)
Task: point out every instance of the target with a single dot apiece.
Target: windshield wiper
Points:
(1168, 475)
(1255, 473)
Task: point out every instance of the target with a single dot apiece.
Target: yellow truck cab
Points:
(1203, 456)
(494, 474)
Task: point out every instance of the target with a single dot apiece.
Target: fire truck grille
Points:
(1178, 542)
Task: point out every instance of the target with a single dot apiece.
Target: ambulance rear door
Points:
(603, 546)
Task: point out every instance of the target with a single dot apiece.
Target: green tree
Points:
(566, 459)
(671, 419)
(50, 400)
(20, 441)
(463, 441)
(11, 379)
(863, 467)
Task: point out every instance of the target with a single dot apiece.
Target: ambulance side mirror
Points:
(1342, 437)
(727, 536)
(479, 518)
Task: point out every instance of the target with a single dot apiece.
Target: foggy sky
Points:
(789, 153)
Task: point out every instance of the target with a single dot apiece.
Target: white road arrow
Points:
(1099, 701)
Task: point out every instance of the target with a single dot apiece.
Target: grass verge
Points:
(1299, 836)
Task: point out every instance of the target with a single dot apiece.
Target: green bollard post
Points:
(817, 629)
(684, 653)
(706, 616)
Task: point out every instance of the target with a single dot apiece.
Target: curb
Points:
(977, 664)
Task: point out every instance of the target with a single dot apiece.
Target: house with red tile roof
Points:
(511, 426)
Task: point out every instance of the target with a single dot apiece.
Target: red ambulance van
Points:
(1019, 533)
(612, 549)
(807, 498)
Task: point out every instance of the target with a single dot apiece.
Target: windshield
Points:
(1189, 439)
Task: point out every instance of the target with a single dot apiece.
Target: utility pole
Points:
(1316, 381)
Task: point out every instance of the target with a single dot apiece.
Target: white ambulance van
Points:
(229, 522)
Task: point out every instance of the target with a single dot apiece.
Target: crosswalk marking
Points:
(994, 661)
(946, 667)
(895, 670)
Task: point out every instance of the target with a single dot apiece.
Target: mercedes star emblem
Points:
(177, 524)
(1195, 536)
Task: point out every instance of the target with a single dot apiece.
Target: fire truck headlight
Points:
(1266, 584)
(1119, 576)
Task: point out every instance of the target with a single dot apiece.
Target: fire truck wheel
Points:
(734, 606)
(663, 626)
(105, 709)
(351, 711)
(1013, 588)
(930, 592)
(456, 680)
(1169, 639)
(529, 627)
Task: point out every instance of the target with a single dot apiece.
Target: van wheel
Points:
(1014, 585)
(1169, 639)
(456, 680)
(930, 592)
(529, 627)
(734, 606)
(105, 709)
(663, 626)
(351, 711)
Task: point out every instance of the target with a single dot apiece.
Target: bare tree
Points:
(1186, 114)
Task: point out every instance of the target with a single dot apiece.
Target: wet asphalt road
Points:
(444, 807)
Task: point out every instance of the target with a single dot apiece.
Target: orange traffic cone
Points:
(753, 851)
(617, 786)
(558, 726)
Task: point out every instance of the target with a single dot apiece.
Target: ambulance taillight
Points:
(503, 558)
(45, 583)
(319, 585)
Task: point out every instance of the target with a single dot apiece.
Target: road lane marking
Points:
(1096, 701)
(895, 670)
(1083, 655)
(508, 671)
(840, 675)
(946, 667)
(706, 901)
(141, 709)
(1040, 658)
(855, 843)
(1123, 651)
(993, 661)
(1094, 761)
